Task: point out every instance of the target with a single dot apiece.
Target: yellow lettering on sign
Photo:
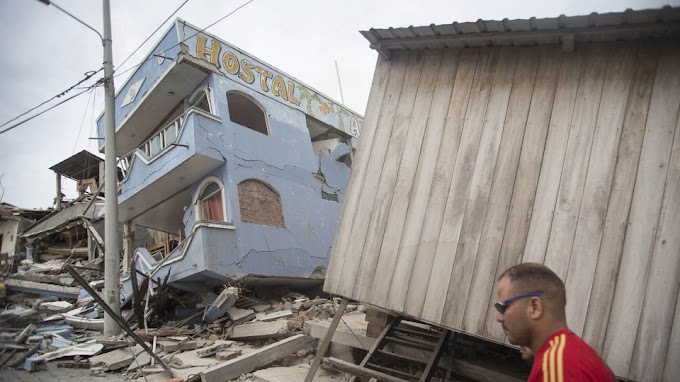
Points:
(230, 63)
(264, 74)
(213, 51)
(247, 71)
(279, 88)
(291, 94)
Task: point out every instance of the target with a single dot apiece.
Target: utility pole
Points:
(111, 253)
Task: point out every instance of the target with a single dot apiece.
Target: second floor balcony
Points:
(165, 166)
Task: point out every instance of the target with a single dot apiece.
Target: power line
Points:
(44, 111)
(153, 33)
(88, 75)
(82, 122)
(193, 35)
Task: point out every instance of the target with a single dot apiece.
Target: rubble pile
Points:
(226, 334)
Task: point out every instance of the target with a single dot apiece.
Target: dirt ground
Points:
(53, 374)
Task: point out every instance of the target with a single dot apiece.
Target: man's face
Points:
(515, 321)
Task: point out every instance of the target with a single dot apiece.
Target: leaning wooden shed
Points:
(491, 143)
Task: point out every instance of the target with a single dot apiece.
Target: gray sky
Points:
(45, 52)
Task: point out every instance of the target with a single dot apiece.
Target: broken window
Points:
(260, 204)
(246, 112)
(210, 201)
(200, 100)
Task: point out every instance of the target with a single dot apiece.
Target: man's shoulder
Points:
(569, 356)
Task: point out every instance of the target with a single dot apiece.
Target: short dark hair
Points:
(528, 277)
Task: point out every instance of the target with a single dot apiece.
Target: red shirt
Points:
(566, 357)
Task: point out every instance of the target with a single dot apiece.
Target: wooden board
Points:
(577, 156)
(644, 216)
(553, 158)
(661, 292)
(441, 182)
(479, 190)
(455, 202)
(493, 226)
(611, 245)
(393, 202)
(360, 165)
(526, 179)
(590, 223)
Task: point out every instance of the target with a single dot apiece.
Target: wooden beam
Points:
(232, 369)
(359, 371)
(323, 346)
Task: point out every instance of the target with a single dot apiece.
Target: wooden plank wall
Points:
(473, 160)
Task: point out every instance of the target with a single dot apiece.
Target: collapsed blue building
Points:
(245, 164)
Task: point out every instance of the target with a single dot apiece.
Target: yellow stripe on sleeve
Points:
(560, 353)
(551, 361)
(545, 363)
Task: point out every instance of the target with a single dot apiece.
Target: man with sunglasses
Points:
(531, 310)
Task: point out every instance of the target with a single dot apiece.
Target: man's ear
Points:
(536, 308)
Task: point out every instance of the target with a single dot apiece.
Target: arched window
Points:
(260, 204)
(210, 202)
(246, 112)
(200, 100)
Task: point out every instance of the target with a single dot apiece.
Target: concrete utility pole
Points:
(112, 255)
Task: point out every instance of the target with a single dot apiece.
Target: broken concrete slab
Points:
(116, 359)
(222, 303)
(171, 346)
(274, 315)
(88, 348)
(192, 358)
(42, 288)
(246, 363)
(211, 350)
(261, 308)
(240, 315)
(227, 355)
(295, 373)
(356, 337)
(260, 330)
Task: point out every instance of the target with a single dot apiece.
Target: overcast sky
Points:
(44, 52)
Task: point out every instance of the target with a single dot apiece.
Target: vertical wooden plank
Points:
(526, 180)
(576, 160)
(431, 220)
(553, 159)
(445, 243)
(661, 293)
(389, 210)
(378, 185)
(586, 243)
(413, 187)
(501, 190)
(375, 102)
(611, 245)
(671, 370)
(355, 209)
(644, 215)
(479, 190)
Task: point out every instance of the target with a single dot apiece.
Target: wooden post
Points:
(323, 347)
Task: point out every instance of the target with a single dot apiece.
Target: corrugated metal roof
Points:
(628, 25)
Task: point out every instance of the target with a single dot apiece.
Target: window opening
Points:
(246, 112)
(200, 101)
(211, 203)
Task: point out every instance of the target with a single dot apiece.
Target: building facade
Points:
(245, 164)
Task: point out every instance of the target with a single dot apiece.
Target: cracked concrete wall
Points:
(285, 161)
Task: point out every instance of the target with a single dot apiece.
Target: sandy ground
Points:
(53, 374)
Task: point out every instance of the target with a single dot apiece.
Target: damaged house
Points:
(13, 220)
(245, 164)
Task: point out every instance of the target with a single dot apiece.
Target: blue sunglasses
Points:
(502, 306)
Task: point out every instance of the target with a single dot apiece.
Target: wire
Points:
(88, 75)
(82, 122)
(153, 33)
(193, 35)
(43, 112)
